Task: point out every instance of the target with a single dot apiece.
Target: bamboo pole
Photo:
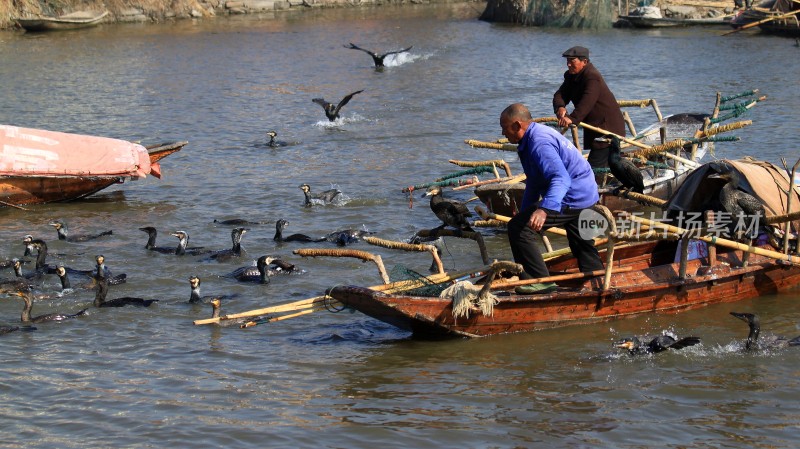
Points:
(789, 201)
(777, 219)
(759, 22)
(559, 277)
(476, 236)
(358, 254)
(794, 260)
(499, 162)
(408, 247)
(491, 145)
(486, 215)
(512, 179)
(651, 200)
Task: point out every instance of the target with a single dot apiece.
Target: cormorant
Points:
(102, 270)
(624, 169)
(26, 311)
(236, 248)
(258, 274)
(346, 236)
(280, 225)
(195, 298)
(240, 222)
(33, 275)
(771, 342)
(737, 202)
(66, 284)
(152, 234)
(326, 196)
(452, 212)
(376, 58)
(8, 329)
(14, 285)
(332, 109)
(63, 233)
(183, 241)
(657, 344)
(102, 291)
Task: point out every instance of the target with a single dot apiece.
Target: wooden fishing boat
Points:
(652, 285)
(679, 271)
(634, 21)
(39, 166)
(71, 21)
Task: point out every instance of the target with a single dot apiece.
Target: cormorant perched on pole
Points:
(451, 212)
(626, 172)
(738, 202)
(376, 58)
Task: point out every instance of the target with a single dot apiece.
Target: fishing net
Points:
(570, 13)
(420, 284)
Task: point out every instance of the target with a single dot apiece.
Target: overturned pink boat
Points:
(39, 166)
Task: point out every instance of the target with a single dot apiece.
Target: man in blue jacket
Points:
(559, 185)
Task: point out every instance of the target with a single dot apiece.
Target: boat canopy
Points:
(765, 181)
(36, 152)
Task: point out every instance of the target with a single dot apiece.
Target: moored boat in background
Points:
(40, 166)
(72, 21)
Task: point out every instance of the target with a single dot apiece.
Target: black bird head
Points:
(750, 318)
(628, 343)
(432, 191)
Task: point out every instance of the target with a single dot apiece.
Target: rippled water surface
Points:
(150, 378)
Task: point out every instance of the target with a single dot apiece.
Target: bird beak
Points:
(625, 345)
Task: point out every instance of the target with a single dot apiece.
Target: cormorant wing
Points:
(345, 100)
(322, 102)
(457, 207)
(685, 342)
(395, 52)
(356, 47)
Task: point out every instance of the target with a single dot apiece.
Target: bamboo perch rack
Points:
(512, 180)
(358, 254)
(408, 247)
(495, 163)
(476, 236)
(491, 145)
(647, 199)
(794, 260)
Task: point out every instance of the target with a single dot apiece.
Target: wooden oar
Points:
(759, 22)
(794, 260)
(555, 278)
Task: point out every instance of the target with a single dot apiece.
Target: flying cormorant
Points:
(332, 109)
(376, 58)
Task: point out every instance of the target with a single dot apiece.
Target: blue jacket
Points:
(556, 171)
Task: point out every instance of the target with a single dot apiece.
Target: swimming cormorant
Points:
(26, 311)
(8, 329)
(346, 236)
(324, 197)
(258, 274)
(332, 109)
(624, 169)
(31, 276)
(280, 225)
(451, 212)
(657, 344)
(737, 202)
(63, 233)
(240, 222)
(195, 298)
(771, 342)
(152, 234)
(376, 58)
(102, 291)
(236, 248)
(183, 241)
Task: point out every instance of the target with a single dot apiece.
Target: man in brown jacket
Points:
(594, 103)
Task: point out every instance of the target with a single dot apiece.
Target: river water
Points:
(150, 378)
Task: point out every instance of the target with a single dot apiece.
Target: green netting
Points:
(571, 13)
(426, 286)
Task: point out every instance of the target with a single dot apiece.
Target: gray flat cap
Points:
(576, 52)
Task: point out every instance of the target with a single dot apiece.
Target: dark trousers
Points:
(525, 243)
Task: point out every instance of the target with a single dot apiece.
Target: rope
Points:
(748, 93)
(737, 111)
(450, 182)
(470, 171)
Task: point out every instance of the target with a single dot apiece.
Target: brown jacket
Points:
(594, 103)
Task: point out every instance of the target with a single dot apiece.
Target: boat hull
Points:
(639, 291)
(30, 189)
(66, 22)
